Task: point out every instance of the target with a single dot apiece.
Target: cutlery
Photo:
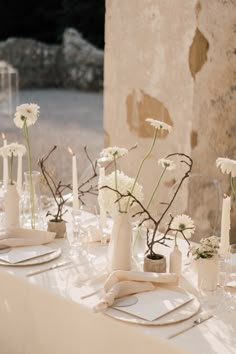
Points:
(42, 270)
(204, 316)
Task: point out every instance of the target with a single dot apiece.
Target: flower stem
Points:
(116, 183)
(233, 188)
(154, 191)
(32, 202)
(141, 165)
(176, 238)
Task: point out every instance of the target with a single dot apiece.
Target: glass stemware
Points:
(86, 232)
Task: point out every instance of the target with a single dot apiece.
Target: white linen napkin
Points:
(122, 283)
(17, 237)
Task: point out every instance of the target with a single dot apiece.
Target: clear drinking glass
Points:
(86, 232)
(210, 298)
(30, 202)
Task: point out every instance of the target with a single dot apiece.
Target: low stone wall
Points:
(73, 64)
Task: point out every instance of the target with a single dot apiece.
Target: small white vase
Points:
(11, 206)
(208, 272)
(176, 261)
(119, 250)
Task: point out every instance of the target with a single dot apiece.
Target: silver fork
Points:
(204, 316)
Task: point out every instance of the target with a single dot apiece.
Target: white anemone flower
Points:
(13, 149)
(184, 224)
(113, 152)
(227, 165)
(27, 112)
(159, 124)
(167, 164)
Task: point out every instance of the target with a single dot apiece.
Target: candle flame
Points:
(70, 151)
(3, 136)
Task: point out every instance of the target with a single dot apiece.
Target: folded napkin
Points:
(122, 283)
(17, 237)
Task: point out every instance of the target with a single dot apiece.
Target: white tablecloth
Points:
(44, 314)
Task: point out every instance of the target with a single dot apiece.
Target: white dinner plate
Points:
(39, 260)
(179, 314)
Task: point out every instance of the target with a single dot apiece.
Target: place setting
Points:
(116, 255)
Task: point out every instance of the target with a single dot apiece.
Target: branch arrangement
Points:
(153, 235)
(58, 189)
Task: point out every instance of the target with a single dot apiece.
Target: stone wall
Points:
(73, 64)
(213, 62)
(176, 63)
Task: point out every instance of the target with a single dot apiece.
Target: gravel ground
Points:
(67, 118)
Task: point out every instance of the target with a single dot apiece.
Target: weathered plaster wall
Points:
(214, 107)
(147, 75)
(175, 61)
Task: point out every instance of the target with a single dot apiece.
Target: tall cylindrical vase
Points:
(208, 272)
(119, 251)
(11, 206)
(31, 200)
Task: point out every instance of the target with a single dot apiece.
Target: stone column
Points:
(212, 60)
(173, 61)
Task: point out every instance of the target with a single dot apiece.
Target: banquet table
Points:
(46, 314)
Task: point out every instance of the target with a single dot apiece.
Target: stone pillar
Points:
(212, 60)
(173, 61)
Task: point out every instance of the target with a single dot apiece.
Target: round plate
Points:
(181, 313)
(39, 260)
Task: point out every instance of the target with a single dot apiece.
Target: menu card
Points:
(21, 254)
(152, 305)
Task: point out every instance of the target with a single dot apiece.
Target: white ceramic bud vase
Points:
(12, 206)
(119, 251)
(175, 261)
(208, 272)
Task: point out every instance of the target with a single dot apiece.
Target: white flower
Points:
(108, 197)
(227, 165)
(113, 152)
(158, 124)
(183, 223)
(208, 248)
(28, 113)
(167, 164)
(14, 149)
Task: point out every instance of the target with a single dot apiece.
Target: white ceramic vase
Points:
(119, 250)
(11, 206)
(208, 272)
(175, 261)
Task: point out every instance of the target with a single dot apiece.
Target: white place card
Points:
(21, 254)
(152, 305)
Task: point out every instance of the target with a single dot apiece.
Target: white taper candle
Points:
(5, 163)
(225, 225)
